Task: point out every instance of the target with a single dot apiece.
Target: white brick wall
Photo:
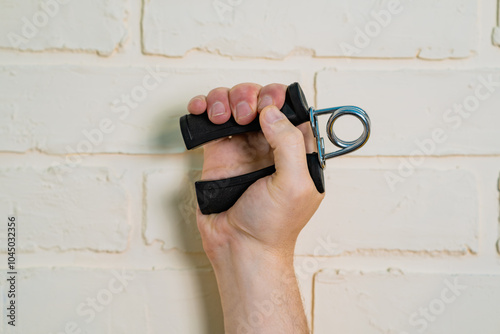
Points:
(90, 95)
(67, 212)
(91, 26)
(127, 111)
(118, 301)
(398, 302)
(458, 104)
(432, 210)
(257, 28)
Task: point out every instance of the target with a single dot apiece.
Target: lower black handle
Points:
(198, 129)
(220, 195)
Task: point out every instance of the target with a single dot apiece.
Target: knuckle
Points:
(240, 87)
(243, 92)
(246, 86)
(275, 87)
(276, 90)
(293, 137)
(217, 93)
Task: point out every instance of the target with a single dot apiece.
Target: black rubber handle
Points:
(219, 195)
(198, 129)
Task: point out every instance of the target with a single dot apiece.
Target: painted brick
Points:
(498, 241)
(122, 109)
(405, 303)
(496, 36)
(125, 301)
(273, 29)
(86, 209)
(496, 30)
(89, 26)
(170, 208)
(418, 112)
(305, 279)
(432, 210)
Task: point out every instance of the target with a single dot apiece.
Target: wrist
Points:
(249, 255)
(254, 272)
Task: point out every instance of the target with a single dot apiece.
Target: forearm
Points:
(259, 293)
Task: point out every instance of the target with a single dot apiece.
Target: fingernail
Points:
(243, 110)
(265, 101)
(273, 115)
(217, 109)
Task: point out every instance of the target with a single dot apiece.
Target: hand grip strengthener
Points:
(215, 196)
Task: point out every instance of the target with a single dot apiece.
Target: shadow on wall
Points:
(166, 138)
(166, 135)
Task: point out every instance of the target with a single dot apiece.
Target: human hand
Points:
(271, 212)
(251, 245)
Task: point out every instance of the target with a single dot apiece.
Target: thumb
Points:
(288, 147)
